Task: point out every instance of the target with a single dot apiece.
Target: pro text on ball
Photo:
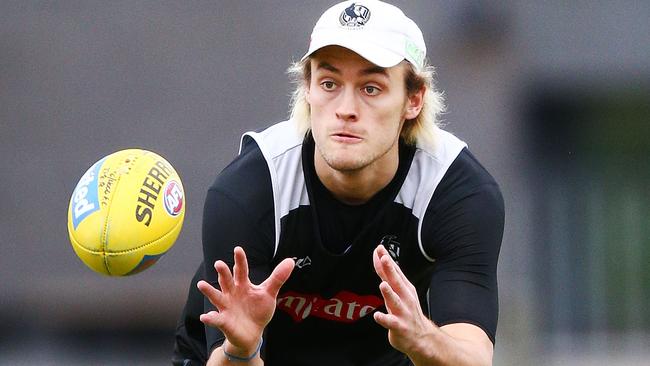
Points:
(81, 204)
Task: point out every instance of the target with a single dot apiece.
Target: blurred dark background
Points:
(553, 97)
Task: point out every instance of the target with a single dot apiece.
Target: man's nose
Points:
(347, 109)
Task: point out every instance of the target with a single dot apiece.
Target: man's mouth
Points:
(346, 137)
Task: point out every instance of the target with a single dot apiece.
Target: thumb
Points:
(279, 276)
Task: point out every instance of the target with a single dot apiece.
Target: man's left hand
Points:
(406, 323)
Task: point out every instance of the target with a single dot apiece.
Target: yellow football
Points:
(126, 212)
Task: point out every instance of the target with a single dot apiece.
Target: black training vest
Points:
(324, 311)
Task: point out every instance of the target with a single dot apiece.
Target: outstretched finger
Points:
(376, 262)
(387, 321)
(223, 276)
(278, 277)
(393, 277)
(215, 296)
(391, 299)
(212, 319)
(384, 253)
(240, 270)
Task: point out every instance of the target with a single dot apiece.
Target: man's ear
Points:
(414, 104)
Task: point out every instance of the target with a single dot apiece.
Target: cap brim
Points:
(376, 54)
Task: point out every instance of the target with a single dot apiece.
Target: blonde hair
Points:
(420, 130)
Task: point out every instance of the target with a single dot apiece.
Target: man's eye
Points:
(328, 85)
(371, 90)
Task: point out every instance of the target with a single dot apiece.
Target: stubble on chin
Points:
(343, 161)
(348, 160)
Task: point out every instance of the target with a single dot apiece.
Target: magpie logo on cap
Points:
(354, 16)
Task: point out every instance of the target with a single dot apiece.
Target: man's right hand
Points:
(243, 309)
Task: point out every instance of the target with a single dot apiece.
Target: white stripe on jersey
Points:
(281, 146)
(428, 167)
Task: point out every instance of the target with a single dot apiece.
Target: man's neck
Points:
(357, 186)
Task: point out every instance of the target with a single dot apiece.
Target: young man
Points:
(358, 232)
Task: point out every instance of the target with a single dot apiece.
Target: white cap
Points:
(377, 31)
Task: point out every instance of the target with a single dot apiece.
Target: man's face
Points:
(357, 109)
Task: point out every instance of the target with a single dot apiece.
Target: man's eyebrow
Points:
(329, 67)
(374, 70)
